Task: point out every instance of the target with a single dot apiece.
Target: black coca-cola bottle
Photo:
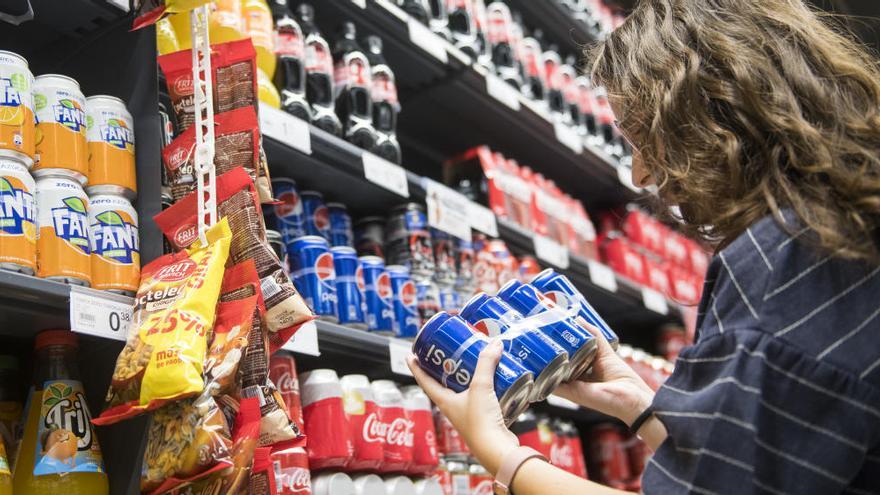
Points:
(386, 106)
(533, 69)
(416, 9)
(319, 73)
(570, 93)
(353, 79)
(290, 72)
(438, 18)
(462, 23)
(553, 82)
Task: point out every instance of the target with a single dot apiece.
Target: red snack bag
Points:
(262, 480)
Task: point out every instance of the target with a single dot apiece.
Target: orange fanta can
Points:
(18, 239)
(63, 246)
(61, 125)
(116, 260)
(111, 145)
(16, 108)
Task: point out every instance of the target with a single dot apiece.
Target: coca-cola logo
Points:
(321, 218)
(289, 204)
(408, 293)
(176, 272)
(482, 487)
(184, 85)
(383, 286)
(287, 384)
(561, 455)
(324, 267)
(186, 235)
(296, 480)
(398, 432)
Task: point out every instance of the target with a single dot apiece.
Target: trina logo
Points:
(398, 433)
(488, 327)
(184, 85)
(186, 235)
(408, 293)
(289, 204)
(177, 271)
(324, 267)
(383, 286)
(359, 279)
(437, 357)
(321, 219)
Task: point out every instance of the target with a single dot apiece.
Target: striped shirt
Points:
(781, 392)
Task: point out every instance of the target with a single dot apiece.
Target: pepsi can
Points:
(316, 218)
(449, 299)
(369, 236)
(314, 275)
(428, 298)
(445, 271)
(286, 216)
(537, 352)
(559, 289)
(340, 225)
(407, 241)
(377, 295)
(448, 349)
(349, 287)
(553, 322)
(405, 320)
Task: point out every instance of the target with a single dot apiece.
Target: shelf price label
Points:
(100, 314)
(305, 340)
(555, 400)
(551, 251)
(483, 219)
(655, 301)
(568, 136)
(602, 275)
(448, 210)
(286, 128)
(360, 3)
(398, 350)
(503, 92)
(427, 40)
(386, 174)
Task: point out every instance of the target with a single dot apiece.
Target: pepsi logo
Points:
(408, 293)
(359, 279)
(449, 366)
(177, 271)
(321, 218)
(324, 267)
(185, 235)
(559, 299)
(289, 204)
(489, 327)
(383, 286)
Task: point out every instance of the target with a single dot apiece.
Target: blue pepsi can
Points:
(316, 218)
(448, 349)
(341, 233)
(313, 273)
(349, 287)
(553, 322)
(450, 300)
(377, 295)
(531, 348)
(405, 321)
(286, 216)
(559, 289)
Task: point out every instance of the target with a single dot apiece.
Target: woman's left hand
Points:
(475, 412)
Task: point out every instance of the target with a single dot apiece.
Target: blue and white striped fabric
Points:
(781, 392)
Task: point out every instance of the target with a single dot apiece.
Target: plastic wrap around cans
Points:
(578, 342)
(115, 244)
(559, 289)
(287, 215)
(399, 485)
(282, 372)
(17, 122)
(332, 484)
(363, 416)
(18, 216)
(405, 321)
(324, 415)
(63, 246)
(407, 241)
(369, 236)
(110, 136)
(61, 125)
(428, 486)
(448, 349)
(368, 484)
(341, 233)
(450, 443)
(291, 467)
(316, 217)
(537, 352)
(445, 272)
(418, 412)
(392, 427)
(350, 288)
(378, 296)
(314, 274)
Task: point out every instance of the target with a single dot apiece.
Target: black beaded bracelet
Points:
(637, 424)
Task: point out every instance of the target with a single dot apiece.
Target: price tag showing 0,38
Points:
(98, 313)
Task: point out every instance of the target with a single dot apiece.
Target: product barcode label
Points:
(269, 287)
(98, 313)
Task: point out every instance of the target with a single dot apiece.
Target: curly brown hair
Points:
(744, 108)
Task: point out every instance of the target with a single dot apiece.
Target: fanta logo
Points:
(186, 235)
(114, 238)
(489, 327)
(183, 85)
(177, 271)
(16, 208)
(408, 293)
(9, 95)
(71, 223)
(324, 267)
(69, 114)
(437, 357)
(359, 279)
(66, 411)
(289, 205)
(383, 286)
(116, 133)
(321, 218)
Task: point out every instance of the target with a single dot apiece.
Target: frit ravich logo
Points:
(114, 238)
(383, 287)
(321, 219)
(408, 293)
(324, 267)
(69, 114)
(72, 223)
(16, 208)
(117, 133)
(177, 271)
(288, 205)
(186, 235)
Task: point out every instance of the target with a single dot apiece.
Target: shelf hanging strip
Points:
(203, 105)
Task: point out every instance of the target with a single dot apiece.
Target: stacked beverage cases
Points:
(67, 180)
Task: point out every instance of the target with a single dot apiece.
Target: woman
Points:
(762, 123)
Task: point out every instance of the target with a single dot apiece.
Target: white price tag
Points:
(427, 40)
(503, 92)
(555, 400)
(360, 3)
(483, 219)
(655, 301)
(568, 136)
(122, 4)
(305, 340)
(98, 313)
(399, 350)
(602, 275)
(448, 210)
(286, 128)
(386, 174)
(551, 251)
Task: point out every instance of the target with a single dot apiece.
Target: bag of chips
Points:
(262, 479)
(174, 311)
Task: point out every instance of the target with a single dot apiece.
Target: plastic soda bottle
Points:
(225, 22)
(258, 25)
(166, 38)
(266, 91)
(181, 25)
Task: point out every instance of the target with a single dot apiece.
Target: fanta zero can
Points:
(110, 135)
(349, 287)
(18, 232)
(315, 214)
(63, 245)
(61, 125)
(448, 349)
(553, 322)
(559, 289)
(537, 352)
(405, 321)
(340, 225)
(311, 266)
(16, 108)
(115, 245)
(377, 295)
(286, 216)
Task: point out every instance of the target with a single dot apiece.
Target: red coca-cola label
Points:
(561, 454)
(282, 372)
(444, 479)
(538, 440)
(481, 485)
(384, 88)
(368, 448)
(608, 454)
(318, 58)
(324, 419)
(289, 44)
(577, 451)
(425, 457)
(449, 441)
(291, 469)
(395, 432)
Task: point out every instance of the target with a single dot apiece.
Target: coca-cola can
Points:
(481, 480)
(392, 427)
(428, 486)
(450, 443)
(361, 411)
(608, 459)
(324, 418)
(399, 485)
(291, 468)
(332, 484)
(418, 412)
(368, 484)
(282, 372)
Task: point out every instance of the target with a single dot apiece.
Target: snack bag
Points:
(262, 479)
(174, 311)
(286, 310)
(150, 11)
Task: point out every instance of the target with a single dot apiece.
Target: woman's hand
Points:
(475, 413)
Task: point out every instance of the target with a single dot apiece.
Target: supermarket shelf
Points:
(556, 22)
